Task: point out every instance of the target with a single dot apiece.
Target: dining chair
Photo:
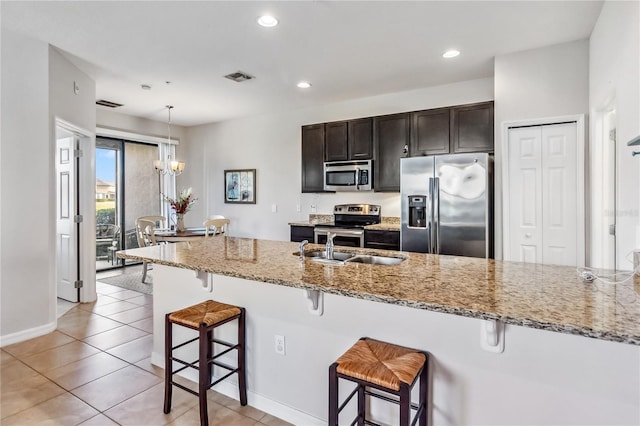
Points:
(158, 221)
(216, 226)
(106, 234)
(146, 238)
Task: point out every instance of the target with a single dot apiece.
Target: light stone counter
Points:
(530, 295)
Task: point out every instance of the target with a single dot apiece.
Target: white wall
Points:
(25, 237)
(614, 68)
(272, 145)
(546, 82)
(36, 86)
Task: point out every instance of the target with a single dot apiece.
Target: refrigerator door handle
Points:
(434, 190)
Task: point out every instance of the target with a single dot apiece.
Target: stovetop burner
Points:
(354, 216)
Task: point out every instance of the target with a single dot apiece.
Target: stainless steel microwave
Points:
(348, 176)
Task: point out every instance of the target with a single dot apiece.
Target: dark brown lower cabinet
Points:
(385, 240)
(300, 233)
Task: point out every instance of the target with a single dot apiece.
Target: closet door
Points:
(543, 194)
(525, 195)
(559, 194)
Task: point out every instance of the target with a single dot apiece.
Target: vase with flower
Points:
(181, 204)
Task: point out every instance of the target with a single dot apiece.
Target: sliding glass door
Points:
(127, 187)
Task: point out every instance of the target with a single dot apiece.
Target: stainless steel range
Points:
(348, 225)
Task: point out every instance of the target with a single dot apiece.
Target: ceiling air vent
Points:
(239, 76)
(108, 104)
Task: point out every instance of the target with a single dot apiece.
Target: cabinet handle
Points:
(405, 150)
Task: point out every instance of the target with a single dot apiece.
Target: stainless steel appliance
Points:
(348, 225)
(447, 204)
(348, 176)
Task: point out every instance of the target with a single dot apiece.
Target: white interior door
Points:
(543, 194)
(559, 194)
(66, 210)
(525, 195)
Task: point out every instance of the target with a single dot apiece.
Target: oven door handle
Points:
(358, 233)
(346, 232)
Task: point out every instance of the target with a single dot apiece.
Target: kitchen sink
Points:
(321, 254)
(376, 260)
(340, 258)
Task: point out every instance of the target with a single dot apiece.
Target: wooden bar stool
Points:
(204, 317)
(388, 368)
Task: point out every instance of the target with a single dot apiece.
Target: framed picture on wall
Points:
(240, 186)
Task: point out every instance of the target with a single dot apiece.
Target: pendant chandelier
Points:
(172, 167)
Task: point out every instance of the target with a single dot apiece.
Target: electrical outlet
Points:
(280, 346)
(313, 208)
(274, 208)
(298, 208)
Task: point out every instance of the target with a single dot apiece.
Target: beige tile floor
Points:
(95, 370)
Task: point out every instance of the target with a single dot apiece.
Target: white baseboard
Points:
(23, 335)
(256, 400)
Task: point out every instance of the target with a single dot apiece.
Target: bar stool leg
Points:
(361, 404)
(168, 364)
(424, 389)
(405, 404)
(209, 354)
(242, 371)
(333, 395)
(203, 372)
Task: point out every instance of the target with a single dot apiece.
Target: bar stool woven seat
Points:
(204, 318)
(209, 312)
(383, 366)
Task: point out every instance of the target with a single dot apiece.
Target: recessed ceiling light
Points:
(304, 85)
(450, 53)
(267, 21)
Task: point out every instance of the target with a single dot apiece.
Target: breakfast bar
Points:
(511, 343)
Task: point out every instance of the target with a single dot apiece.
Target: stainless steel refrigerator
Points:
(447, 204)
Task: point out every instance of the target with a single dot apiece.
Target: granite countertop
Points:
(531, 295)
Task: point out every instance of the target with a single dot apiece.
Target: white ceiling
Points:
(345, 49)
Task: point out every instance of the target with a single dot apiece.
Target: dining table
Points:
(173, 236)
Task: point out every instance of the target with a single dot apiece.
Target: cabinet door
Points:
(472, 128)
(312, 158)
(386, 240)
(361, 139)
(335, 144)
(391, 141)
(299, 233)
(430, 132)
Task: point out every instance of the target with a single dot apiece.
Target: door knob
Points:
(527, 235)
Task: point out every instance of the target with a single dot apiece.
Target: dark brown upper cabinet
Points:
(361, 139)
(386, 139)
(336, 146)
(349, 140)
(313, 158)
(430, 132)
(472, 128)
(392, 134)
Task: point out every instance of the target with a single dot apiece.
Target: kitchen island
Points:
(562, 362)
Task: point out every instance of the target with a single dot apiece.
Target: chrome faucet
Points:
(301, 248)
(329, 249)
